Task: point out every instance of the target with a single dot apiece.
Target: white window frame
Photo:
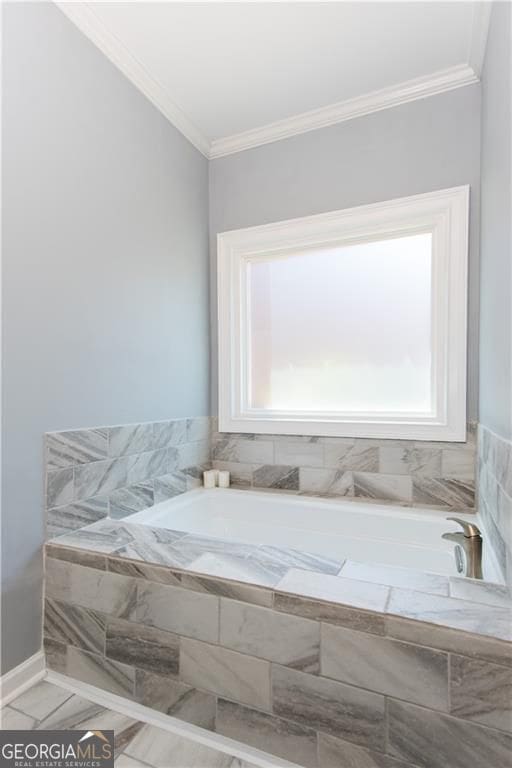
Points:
(444, 213)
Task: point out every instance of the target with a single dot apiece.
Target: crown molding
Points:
(419, 88)
(84, 17)
(479, 32)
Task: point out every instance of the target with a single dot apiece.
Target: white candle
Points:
(223, 478)
(209, 478)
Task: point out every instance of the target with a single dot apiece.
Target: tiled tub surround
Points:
(112, 472)
(441, 475)
(323, 663)
(495, 494)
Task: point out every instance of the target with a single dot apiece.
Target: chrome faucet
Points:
(469, 542)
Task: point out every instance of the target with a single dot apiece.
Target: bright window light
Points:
(348, 323)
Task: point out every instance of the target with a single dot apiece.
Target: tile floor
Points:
(137, 744)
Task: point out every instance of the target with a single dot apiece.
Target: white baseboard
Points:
(17, 680)
(168, 723)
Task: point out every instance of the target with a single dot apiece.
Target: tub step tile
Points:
(104, 536)
(175, 698)
(358, 594)
(339, 615)
(481, 692)
(182, 611)
(335, 753)
(450, 612)
(432, 740)
(481, 592)
(226, 673)
(142, 646)
(390, 667)
(287, 640)
(396, 577)
(264, 731)
(329, 706)
(293, 558)
(252, 570)
(226, 588)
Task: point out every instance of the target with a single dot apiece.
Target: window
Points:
(350, 323)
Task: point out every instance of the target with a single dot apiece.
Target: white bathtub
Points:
(338, 528)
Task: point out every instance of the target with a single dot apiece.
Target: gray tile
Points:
(169, 433)
(79, 446)
(12, 720)
(71, 714)
(55, 655)
(444, 638)
(396, 577)
(459, 463)
(134, 498)
(70, 517)
(169, 485)
(358, 594)
(339, 615)
(101, 477)
(176, 698)
(450, 492)
(225, 673)
(140, 570)
(288, 640)
(79, 556)
(226, 588)
(481, 592)
(252, 570)
(162, 748)
(90, 588)
(104, 536)
(406, 460)
(335, 753)
(457, 614)
(329, 706)
(73, 625)
(59, 487)
(326, 482)
(433, 740)
(276, 476)
(403, 670)
(388, 487)
(193, 454)
(293, 558)
(158, 546)
(129, 439)
(481, 692)
(101, 672)
(198, 428)
(41, 699)
(178, 610)
(267, 732)
(146, 466)
(352, 455)
(299, 453)
(243, 451)
(143, 647)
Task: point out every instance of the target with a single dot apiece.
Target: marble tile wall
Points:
(319, 669)
(91, 474)
(495, 494)
(440, 475)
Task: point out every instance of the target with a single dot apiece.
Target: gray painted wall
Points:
(417, 147)
(105, 273)
(496, 233)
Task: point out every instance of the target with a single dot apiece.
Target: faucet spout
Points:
(468, 550)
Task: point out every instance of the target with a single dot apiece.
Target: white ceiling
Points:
(224, 69)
